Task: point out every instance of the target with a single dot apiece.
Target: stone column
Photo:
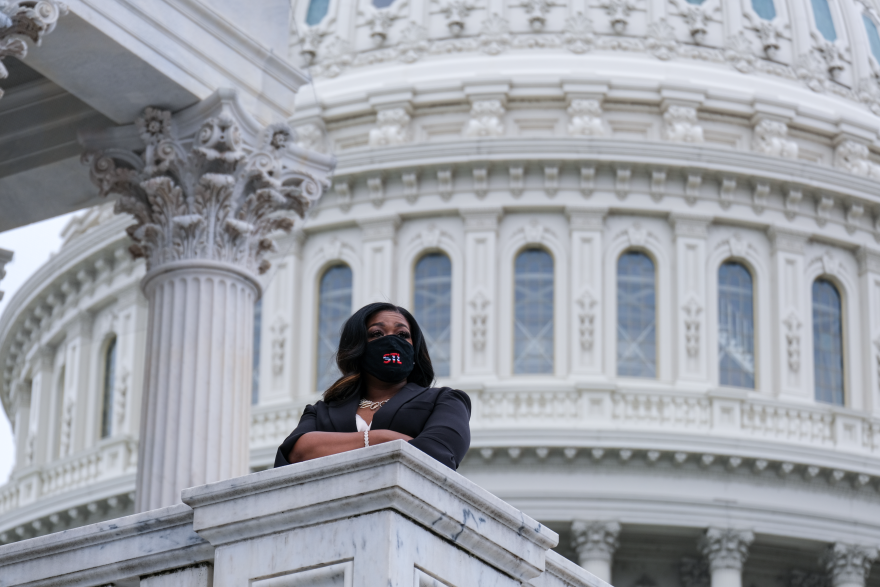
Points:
(206, 191)
(5, 257)
(595, 543)
(22, 19)
(726, 550)
(848, 565)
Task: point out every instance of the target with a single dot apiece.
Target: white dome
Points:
(698, 138)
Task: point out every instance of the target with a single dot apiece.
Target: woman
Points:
(384, 394)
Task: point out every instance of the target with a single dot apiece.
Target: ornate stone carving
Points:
(725, 548)
(537, 11)
(310, 40)
(586, 118)
(485, 119)
(770, 139)
(578, 35)
(595, 540)
(391, 128)
(618, 13)
(692, 311)
(479, 316)
(738, 52)
(120, 399)
(793, 341)
(279, 341)
(380, 20)
(495, 35)
(456, 11)
(217, 202)
(853, 157)
(697, 21)
(20, 19)
(661, 40)
(310, 137)
(848, 564)
(681, 125)
(586, 319)
(66, 427)
(413, 43)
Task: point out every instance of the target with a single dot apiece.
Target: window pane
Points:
(636, 316)
(317, 11)
(334, 308)
(255, 372)
(873, 36)
(764, 8)
(824, 22)
(383, 4)
(736, 326)
(827, 343)
(109, 376)
(533, 313)
(433, 307)
(695, 1)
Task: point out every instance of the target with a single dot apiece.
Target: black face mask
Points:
(389, 359)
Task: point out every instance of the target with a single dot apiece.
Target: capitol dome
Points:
(642, 235)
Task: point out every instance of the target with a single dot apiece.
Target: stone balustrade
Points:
(386, 514)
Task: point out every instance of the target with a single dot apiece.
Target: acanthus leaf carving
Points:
(279, 341)
(853, 157)
(725, 548)
(692, 311)
(495, 36)
(479, 317)
(618, 12)
(681, 125)
(391, 128)
(21, 19)
(485, 119)
(770, 138)
(586, 118)
(578, 35)
(456, 12)
(215, 202)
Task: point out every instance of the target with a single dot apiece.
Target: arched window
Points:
(824, 21)
(109, 377)
(827, 342)
(317, 11)
(334, 308)
(636, 316)
(873, 36)
(255, 372)
(736, 326)
(697, 2)
(764, 8)
(433, 307)
(383, 4)
(533, 312)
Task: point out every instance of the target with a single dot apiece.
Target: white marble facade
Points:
(694, 134)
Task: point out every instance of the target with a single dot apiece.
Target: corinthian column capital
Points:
(23, 19)
(5, 257)
(207, 185)
(847, 565)
(725, 548)
(595, 540)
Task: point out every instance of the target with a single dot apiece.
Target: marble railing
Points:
(407, 520)
(111, 458)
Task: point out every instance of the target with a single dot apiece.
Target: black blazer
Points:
(437, 418)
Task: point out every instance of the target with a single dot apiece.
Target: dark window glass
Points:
(636, 316)
(334, 308)
(533, 313)
(433, 307)
(764, 8)
(736, 326)
(317, 11)
(827, 343)
(109, 377)
(824, 22)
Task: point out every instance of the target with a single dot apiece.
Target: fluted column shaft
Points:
(196, 404)
(595, 543)
(726, 550)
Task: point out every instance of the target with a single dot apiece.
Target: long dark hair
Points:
(353, 343)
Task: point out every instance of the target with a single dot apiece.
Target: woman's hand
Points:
(313, 445)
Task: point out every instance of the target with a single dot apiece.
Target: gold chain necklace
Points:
(365, 403)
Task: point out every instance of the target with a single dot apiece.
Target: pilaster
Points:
(595, 543)
(869, 296)
(587, 229)
(481, 238)
(790, 307)
(379, 254)
(690, 329)
(21, 421)
(36, 445)
(726, 550)
(127, 390)
(848, 565)
(76, 380)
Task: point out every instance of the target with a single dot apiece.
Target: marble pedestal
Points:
(387, 515)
